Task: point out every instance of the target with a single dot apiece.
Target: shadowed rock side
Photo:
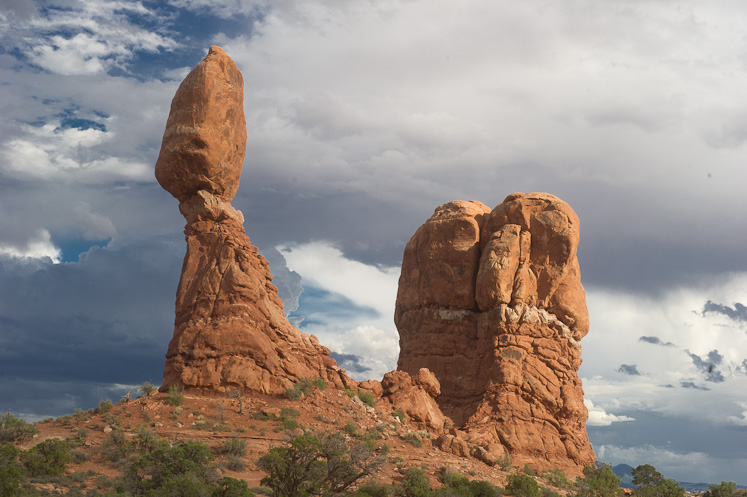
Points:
(230, 330)
(491, 302)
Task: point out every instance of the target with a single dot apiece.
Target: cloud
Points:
(690, 384)
(40, 246)
(739, 313)
(629, 369)
(599, 417)
(88, 37)
(348, 305)
(655, 341)
(708, 365)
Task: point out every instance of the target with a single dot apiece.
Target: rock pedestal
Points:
(491, 302)
(230, 330)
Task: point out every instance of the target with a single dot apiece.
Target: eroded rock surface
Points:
(230, 331)
(492, 303)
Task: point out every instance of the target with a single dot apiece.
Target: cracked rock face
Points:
(230, 330)
(492, 303)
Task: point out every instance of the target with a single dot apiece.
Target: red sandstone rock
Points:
(416, 400)
(205, 139)
(500, 330)
(230, 330)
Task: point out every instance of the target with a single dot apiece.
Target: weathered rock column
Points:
(492, 303)
(230, 330)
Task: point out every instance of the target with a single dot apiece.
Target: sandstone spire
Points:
(230, 330)
(492, 303)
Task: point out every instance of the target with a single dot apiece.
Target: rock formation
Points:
(492, 303)
(230, 330)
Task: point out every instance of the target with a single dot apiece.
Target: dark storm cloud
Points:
(738, 313)
(108, 317)
(708, 365)
(629, 369)
(351, 362)
(655, 341)
(692, 385)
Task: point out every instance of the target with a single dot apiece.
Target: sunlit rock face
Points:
(492, 303)
(230, 330)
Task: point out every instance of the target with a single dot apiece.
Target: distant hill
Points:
(625, 472)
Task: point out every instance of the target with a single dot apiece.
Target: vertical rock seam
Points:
(492, 303)
(230, 330)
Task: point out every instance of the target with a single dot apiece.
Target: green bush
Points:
(415, 483)
(350, 393)
(184, 469)
(231, 487)
(598, 482)
(176, 395)
(234, 463)
(10, 470)
(146, 388)
(104, 406)
(458, 485)
(234, 447)
(320, 383)
(400, 414)
(522, 485)
(372, 489)
(289, 412)
(650, 483)
(299, 389)
(350, 429)
(557, 478)
(414, 439)
(115, 447)
(312, 464)
(724, 489)
(367, 398)
(48, 458)
(13, 429)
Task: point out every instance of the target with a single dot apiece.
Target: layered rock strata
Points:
(492, 303)
(230, 331)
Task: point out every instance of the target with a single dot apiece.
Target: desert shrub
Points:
(299, 389)
(13, 429)
(460, 486)
(350, 393)
(104, 406)
(522, 485)
(316, 464)
(79, 457)
(557, 478)
(231, 487)
(505, 462)
(289, 412)
(528, 470)
(350, 429)
(367, 398)
(145, 440)
(234, 447)
(48, 458)
(598, 482)
(176, 395)
(184, 469)
(319, 383)
(262, 490)
(415, 483)
(400, 414)
(146, 388)
(650, 483)
(414, 439)
(372, 489)
(724, 489)
(287, 424)
(234, 463)
(10, 470)
(115, 446)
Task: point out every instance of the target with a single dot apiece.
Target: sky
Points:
(362, 118)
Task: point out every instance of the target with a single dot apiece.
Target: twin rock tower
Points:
(490, 306)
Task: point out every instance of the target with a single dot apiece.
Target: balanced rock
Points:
(230, 330)
(204, 143)
(492, 303)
